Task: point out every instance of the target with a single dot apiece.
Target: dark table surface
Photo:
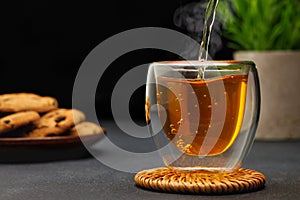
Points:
(90, 179)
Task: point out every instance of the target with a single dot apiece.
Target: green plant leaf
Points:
(261, 24)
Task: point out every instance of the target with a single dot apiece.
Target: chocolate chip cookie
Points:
(18, 102)
(86, 128)
(56, 122)
(17, 120)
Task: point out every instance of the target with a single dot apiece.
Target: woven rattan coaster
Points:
(168, 180)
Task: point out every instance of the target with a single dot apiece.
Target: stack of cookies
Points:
(34, 116)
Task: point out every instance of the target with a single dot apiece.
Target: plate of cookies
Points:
(34, 128)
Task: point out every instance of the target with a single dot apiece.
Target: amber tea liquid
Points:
(175, 96)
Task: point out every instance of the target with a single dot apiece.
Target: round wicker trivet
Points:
(168, 180)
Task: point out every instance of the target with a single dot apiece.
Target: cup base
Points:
(205, 170)
(168, 180)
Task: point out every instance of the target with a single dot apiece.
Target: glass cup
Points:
(203, 115)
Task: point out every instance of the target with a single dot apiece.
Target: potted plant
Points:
(268, 32)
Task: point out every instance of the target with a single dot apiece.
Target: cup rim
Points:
(206, 62)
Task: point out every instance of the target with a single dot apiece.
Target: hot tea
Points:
(175, 95)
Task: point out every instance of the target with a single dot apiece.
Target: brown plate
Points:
(15, 150)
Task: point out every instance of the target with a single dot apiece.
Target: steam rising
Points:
(190, 18)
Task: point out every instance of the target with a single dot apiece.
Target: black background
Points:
(43, 44)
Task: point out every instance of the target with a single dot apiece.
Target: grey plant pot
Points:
(279, 73)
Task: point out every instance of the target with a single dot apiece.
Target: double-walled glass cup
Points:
(203, 114)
